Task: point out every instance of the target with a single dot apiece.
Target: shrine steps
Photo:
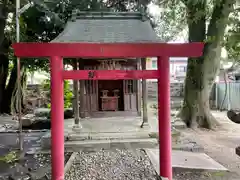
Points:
(103, 140)
(91, 145)
(109, 140)
(107, 135)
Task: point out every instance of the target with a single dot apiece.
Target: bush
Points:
(68, 95)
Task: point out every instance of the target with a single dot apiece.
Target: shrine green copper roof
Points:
(108, 27)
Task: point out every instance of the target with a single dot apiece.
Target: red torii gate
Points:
(57, 51)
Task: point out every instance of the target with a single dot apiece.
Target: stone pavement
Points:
(115, 130)
(186, 160)
(106, 124)
(107, 133)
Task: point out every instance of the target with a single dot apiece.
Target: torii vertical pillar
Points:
(164, 121)
(57, 118)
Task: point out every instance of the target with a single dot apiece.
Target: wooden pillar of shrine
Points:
(139, 92)
(144, 95)
(76, 98)
(82, 96)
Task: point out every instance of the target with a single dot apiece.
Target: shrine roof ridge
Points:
(107, 15)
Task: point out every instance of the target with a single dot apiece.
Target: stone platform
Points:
(116, 132)
(187, 160)
(107, 133)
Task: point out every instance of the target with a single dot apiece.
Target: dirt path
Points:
(220, 145)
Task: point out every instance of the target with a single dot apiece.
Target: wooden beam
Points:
(110, 74)
(113, 50)
(145, 94)
(139, 92)
(76, 95)
(82, 95)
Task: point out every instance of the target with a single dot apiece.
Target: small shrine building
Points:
(110, 97)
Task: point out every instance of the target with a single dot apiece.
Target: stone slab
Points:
(178, 124)
(46, 140)
(107, 125)
(102, 136)
(190, 147)
(90, 145)
(187, 160)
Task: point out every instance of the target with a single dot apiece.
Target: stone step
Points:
(107, 135)
(190, 147)
(90, 145)
(187, 160)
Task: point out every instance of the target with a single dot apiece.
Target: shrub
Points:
(68, 95)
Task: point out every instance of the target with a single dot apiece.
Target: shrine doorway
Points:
(110, 95)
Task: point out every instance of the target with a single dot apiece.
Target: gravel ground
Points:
(35, 164)
(111, 165)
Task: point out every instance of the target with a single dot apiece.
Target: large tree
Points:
(207, 21)
(201, 72)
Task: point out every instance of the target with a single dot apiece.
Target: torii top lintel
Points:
(108, 50)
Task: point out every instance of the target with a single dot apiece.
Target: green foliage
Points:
(46, 84)
(210, 39)
(232, 38)
(171, 20)
(68, 95)
(9, 157)
(44, 21)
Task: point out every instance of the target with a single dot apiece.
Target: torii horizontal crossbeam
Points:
(110, 74)
(108, 50)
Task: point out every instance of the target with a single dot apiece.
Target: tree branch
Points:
(234, 67)
(185, 2)
(196, 20)
(219, 18)
(237, 8)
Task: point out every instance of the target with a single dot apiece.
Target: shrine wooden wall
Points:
(91, 89)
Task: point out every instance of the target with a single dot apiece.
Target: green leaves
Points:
(232, 38)
(171, 21)
(10, 157)
(68, 95)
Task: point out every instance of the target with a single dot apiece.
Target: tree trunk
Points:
(10, 88)
(4, 48)
(3, 78)
(24, 88)
(3, 17)
(201, 72)
(15, 96)
(10, 96)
